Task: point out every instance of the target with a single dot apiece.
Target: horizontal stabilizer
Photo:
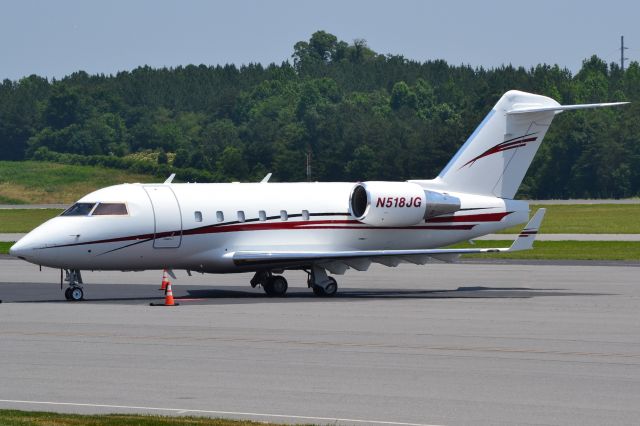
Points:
(522, 109)
(528, 234)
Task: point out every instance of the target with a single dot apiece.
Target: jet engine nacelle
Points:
(398, 204)
(388, 203)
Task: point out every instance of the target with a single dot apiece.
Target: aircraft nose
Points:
(18, 249)
(32, 247)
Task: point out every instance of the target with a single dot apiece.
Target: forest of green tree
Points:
(361, 116)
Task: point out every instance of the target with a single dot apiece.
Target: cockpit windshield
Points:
(96, 209)
(104, 209)
(79, 209)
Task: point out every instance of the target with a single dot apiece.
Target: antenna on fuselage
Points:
(266, 178)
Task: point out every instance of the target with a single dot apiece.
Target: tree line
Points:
(357, 114)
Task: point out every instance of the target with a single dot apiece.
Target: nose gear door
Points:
(168, 217)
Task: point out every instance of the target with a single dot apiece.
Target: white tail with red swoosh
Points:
(496, 157)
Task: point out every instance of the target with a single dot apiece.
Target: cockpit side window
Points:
(111, 209)
(79, 209)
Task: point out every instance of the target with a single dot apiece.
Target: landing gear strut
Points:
(273, 285)
(321, 284)
(74, 292)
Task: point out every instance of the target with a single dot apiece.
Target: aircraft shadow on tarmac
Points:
(139, 294)
(477, 292)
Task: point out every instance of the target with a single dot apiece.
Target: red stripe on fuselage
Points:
(318, 224)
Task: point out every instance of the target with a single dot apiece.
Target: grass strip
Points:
(37, 182)
(587, 219)
(4, 247)
(38, 418)
(563, 250)
(561, 219)
(24, 220)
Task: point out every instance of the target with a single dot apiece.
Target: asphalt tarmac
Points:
(465, 344)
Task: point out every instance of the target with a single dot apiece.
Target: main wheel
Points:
(76, 294)
(67, 293)
(329, 290)
(275, 286)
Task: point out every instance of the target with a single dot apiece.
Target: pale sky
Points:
(56, 38)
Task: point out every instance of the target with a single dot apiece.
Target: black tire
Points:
(266, 286)
(76, 294)
(330, 289)
(276, 286)
(279, 285)
(67, 293)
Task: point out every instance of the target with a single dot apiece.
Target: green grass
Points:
(35, 182)
(569, 219)
(36, 418)
(588, 219)
(563, 250)
(4, 247)
(23, 220)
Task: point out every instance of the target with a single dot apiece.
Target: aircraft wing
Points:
(338, 262)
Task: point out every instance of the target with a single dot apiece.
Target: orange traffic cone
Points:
(165, 280)
(168, 297)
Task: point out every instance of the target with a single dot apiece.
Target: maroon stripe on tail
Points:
(503, 146)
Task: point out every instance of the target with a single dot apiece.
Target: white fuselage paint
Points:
(161, 229)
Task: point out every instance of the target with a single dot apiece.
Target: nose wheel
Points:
(74, 292)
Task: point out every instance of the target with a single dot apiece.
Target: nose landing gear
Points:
(74, 292)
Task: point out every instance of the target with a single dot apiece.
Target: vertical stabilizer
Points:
(495, 158)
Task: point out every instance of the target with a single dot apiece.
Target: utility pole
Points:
(622, 49)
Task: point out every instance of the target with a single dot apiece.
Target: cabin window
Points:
(219, 216)
(305, 214)
(262, 215)
(283, 215)
(197, 216)
(79, 209)
(240, 216)
(110, 209)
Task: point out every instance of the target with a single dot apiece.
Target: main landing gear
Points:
(276, 285)
(321, 284)
(74, 292)
(273, 285)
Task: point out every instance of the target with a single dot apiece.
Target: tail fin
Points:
(495, 158)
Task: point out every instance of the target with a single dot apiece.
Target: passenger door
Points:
(167, 216)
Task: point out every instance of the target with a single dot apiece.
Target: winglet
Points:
(170, 179)
(528, 234)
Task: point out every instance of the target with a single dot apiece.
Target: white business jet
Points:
(268, 228)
